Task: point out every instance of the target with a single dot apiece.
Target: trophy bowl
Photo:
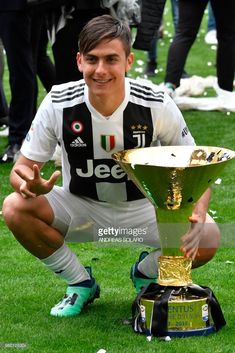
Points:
(173, 178)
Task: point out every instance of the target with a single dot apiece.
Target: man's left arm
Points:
(201, 207)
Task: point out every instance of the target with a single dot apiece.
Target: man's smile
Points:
(102, 80)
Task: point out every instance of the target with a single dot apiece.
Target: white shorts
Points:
(82, 219)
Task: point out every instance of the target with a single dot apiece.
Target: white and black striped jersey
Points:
(146, 117)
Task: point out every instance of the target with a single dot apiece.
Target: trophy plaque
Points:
(173, 178)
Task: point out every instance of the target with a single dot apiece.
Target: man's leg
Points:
(190, 16)
(15, 35)
(225, 26)
(144, 271)
(30, 221)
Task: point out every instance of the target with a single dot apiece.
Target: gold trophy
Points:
(173, 178)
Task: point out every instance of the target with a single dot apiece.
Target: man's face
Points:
(104, 68)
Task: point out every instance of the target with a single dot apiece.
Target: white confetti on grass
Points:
(140, 62)
(218, 181)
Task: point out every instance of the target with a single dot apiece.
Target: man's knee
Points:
(10, 207)
(16, 209)
(208, 245)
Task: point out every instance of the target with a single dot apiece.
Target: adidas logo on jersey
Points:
(78, 143)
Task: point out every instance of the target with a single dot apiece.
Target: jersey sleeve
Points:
(171, 128)
(40, 142)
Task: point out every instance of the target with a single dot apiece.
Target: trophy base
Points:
(177, 311)
(187, 333)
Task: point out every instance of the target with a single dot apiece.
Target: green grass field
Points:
(28, 291)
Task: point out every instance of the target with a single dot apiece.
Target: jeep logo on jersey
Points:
(77, 126)
(107, 142)
(101, 169)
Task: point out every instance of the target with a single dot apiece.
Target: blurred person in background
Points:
(43, 66)
(190, 17)
(15, 32)
(152, 53)
(3, 101)
(210, 37)
(64, 26)
(151, 65)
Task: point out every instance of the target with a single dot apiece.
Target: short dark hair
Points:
(101, 28)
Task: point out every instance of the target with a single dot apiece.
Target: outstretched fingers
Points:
(36, 172)
(53, 178)
(33, 184)
(22, 174)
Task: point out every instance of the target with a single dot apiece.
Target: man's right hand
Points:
(34, 185)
